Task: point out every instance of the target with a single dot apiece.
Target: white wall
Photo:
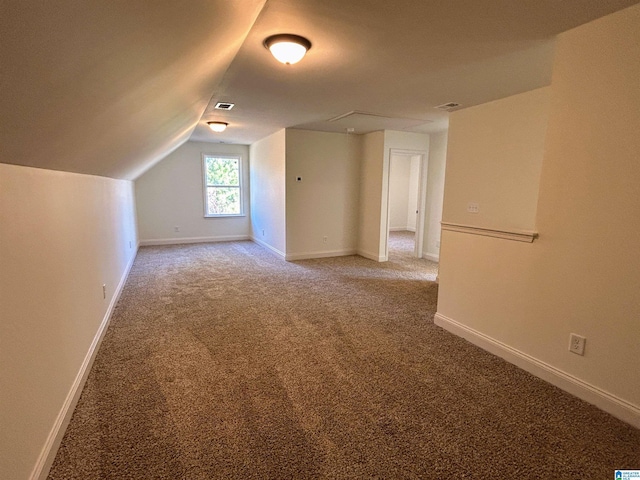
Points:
(325, 202)
(435, 195)
(371, 192)
(170, 195)
(62, 237)
(399, 185)
(522, 300)
(268, 192)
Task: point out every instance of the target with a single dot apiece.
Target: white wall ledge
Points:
(506, 234)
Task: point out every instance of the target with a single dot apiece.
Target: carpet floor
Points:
(222, 361)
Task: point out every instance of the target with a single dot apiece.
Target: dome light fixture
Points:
(287, 48)
(217, 126)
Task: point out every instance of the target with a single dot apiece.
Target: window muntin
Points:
(222, 185)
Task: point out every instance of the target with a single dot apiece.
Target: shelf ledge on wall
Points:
(517, 235)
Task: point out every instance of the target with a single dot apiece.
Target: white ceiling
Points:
(109, 88)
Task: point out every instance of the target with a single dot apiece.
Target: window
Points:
(222, 185)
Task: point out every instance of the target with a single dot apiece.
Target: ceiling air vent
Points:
(448, 106)
(224, 106)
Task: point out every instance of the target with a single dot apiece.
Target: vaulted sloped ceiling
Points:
(108, 87)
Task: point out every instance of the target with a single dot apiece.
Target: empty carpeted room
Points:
(407, 252)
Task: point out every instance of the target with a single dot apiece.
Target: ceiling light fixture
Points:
(287, 48)
(217, 126)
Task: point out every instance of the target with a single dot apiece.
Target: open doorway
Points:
(406, 204)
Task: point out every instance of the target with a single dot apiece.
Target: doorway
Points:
(406, 200)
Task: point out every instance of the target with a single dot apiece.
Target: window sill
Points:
(231, 215)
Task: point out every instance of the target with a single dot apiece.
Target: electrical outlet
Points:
(473, 207)
(324, 239)
(576, 344)
(176, 229)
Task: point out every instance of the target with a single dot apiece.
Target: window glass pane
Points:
(223, 201)
(223, 171)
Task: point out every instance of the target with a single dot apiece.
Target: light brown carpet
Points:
(223, 361)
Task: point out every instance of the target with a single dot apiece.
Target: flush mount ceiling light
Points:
(287, 48)
(217, 126)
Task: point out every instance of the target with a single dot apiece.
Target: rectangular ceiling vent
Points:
(224, 105)
(448, 106)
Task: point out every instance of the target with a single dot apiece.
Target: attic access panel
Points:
(364, 122)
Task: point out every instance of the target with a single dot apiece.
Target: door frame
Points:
(423, 164)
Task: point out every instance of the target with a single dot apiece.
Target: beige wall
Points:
(325, 202)
(405, 141)
(170, 195)
(435, 194)
(494, 159)
(342, 195)
(62, 237)
(267, 192)
(371, 176)
(583, 274)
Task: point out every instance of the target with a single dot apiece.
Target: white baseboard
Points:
(372, 256)
(402, 229)
(321, 254)
(267, 246)
(185, 240)
(434, 257)
(606, 401)
(48, 452)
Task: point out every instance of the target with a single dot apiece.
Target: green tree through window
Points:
(223, 195)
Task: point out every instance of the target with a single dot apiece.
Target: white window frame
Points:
(205, 185)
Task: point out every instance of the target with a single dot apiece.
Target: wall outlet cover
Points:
(577, 344)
